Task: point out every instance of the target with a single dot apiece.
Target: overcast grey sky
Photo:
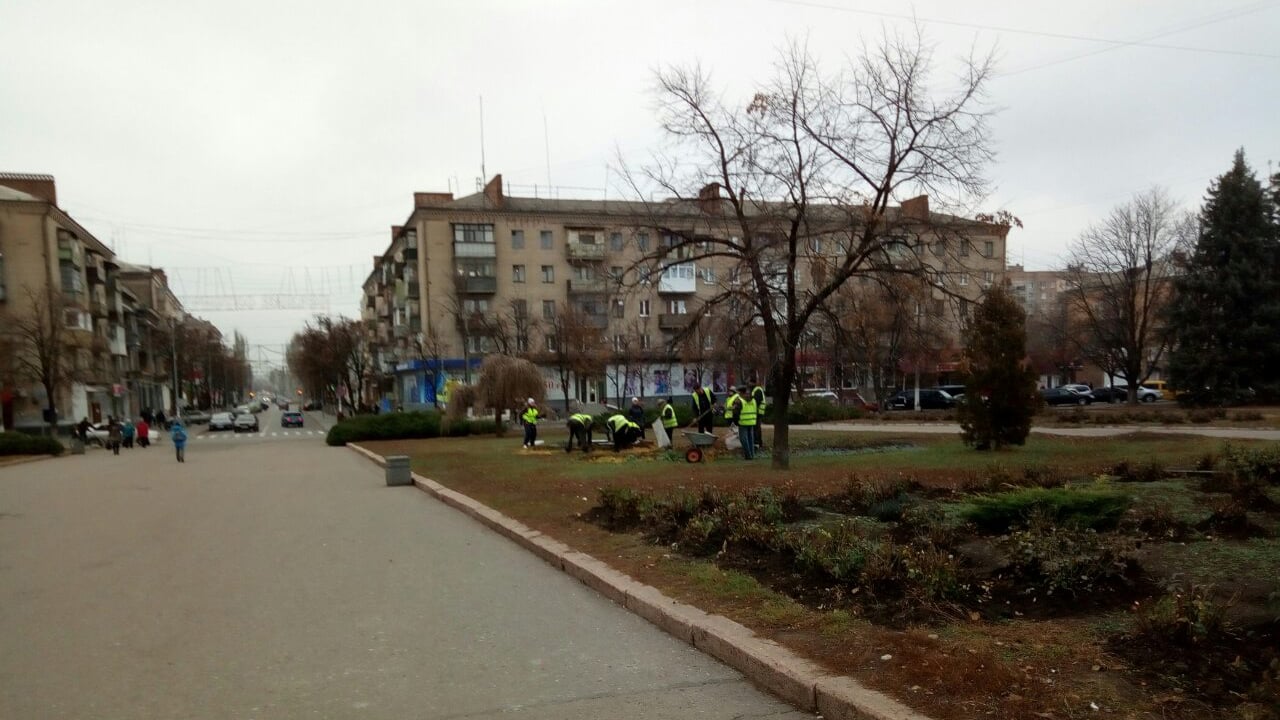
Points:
(259, 146)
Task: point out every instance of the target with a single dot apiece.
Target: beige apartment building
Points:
(465, 277)
(54, 271)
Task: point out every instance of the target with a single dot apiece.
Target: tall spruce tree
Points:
(1225, 319)
(1000, 397)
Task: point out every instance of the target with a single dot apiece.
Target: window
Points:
(77, 320)
(963, 279)
(615, 273)
(988, 249)
(644, 308)
(475, 268)
(545, 238)
(584, 273)
(478, 344)
(619, 342)
(708, 276)
(644, 342)
(939, 307)
(642, 242)
(520, 309)
(708, 342)
(551, 343)
(676, 307)
(549, 309)
(619, 308)
(939, 247)
(522, 343)
(964, 309)
(987, 277)
(475, 306)
(517, 273)
(645, 272)
(517, 239)
(72, 280)
(615, 241)
(472, 233)
(815, 246)
(964, 248)
(548, 273)
(587, 238)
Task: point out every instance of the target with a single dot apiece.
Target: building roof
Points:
(26, 176)
(8, 193)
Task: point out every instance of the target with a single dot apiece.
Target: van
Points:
(1166, 392)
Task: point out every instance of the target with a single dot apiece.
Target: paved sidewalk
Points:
(284, 580)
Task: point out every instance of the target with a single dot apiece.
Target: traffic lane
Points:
(285, 580)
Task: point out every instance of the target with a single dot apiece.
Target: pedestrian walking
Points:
(703, 403)
(745, 417)
(82, 430)
(160, 423)
(114, 435)
(179, 436)
(635, 414)
(530, 418)
(580, 431)
(144, 433)
(126, 432)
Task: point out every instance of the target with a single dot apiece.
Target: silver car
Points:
(222, 421)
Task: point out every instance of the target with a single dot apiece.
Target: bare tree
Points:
(575, 347)
(504, 384)
(42, 349)
(1120, 282)
(430, 347)
(806, 173)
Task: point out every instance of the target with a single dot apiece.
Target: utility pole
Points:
(173, 351)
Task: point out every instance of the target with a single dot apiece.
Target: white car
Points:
(222, 421)
(1145, 394)
(246, 423)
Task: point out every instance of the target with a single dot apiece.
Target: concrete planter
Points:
(398, 470)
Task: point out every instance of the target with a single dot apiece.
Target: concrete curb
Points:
(766, 663)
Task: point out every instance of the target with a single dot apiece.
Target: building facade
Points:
(555, 280)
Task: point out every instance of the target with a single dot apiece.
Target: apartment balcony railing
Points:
(475, 250)
(598, 322)
(679, 279)
(479, 285)
(584, 251)
(668, 321)
(595, 286)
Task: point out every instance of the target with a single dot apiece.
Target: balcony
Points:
(584, 251)
(679, 279)
(475, 250)
(94, 268)
(596, 286)
(673, 322)
(478, 285)
(98, 301)
(69, 251)
(411, 287)
(598, 322)
(400, 331)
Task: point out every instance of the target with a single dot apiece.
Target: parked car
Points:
(846, 398)
(196, 417)
(1162, 387)
(96, 435)
(952, 390)
(222, 421)
(1110, 394)
(240, 410)
(1064, 396)
(246, 422)
(291, 419)
(930, 399)
(1082, 389)
(1144, 394)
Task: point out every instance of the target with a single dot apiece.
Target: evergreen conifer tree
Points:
(1225, 318)
(1000, 397)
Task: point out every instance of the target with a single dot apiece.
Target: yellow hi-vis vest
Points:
(530, 416)
(669, 417)
(582, 419)
(617, 422)
(747, 417)
(728, 405)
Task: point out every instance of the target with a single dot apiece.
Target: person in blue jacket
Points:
(179, 435)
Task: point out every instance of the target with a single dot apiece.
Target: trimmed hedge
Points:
(16, 443)
(1096, 508)
(387, 426)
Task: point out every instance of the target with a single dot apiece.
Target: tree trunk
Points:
(784, 375)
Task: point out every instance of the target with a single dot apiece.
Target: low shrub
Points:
(1089, 507)
(1187, 616)
(1125, 471)
(1157, 521)
(387, 426)
(1200, 417)
(1247, 416)
(621, 508)
(16, 443)
(1053, 560)
(861, 495)
(805, 411)
(1261, 463)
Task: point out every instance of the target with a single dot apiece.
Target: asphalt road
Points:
(274, 577)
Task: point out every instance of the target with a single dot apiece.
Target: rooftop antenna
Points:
(546, 145)
(483, 175)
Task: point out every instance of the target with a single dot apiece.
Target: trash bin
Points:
(398, 470)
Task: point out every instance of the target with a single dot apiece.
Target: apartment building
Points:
(464, 277)
(55, 273)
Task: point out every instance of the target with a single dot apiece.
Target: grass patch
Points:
(1096, 507)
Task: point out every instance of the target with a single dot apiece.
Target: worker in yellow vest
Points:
(746, 417)
(667, 413)
(623, 432)
(732, 402)
(580, 430)
(530, 418)
(757, 393)
(703, 406)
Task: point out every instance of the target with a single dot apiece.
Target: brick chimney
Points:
(395, 231)
(39, 185)
(917, 208)
(709, 199)
(493, 192)
(432, 199)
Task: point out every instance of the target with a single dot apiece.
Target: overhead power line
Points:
(1050, 34)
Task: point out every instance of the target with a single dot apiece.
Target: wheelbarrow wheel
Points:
(693, 455)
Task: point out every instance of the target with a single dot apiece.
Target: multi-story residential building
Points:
(157, 317)
(464, 277)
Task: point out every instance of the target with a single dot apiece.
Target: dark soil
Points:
(1231, 669)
